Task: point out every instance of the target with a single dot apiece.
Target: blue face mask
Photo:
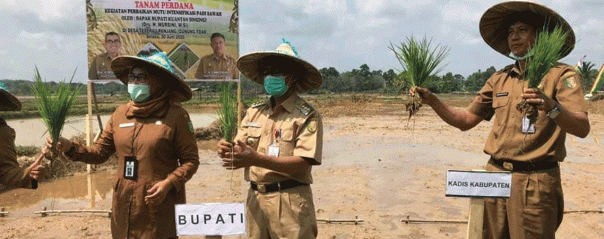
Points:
(275, 85)
(139, 92)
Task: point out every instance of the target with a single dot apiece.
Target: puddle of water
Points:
(31, 132)
(82, 191)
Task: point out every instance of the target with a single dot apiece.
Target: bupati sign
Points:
(478, 184)
(210, 219)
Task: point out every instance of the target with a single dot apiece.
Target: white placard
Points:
(210, 219)
(478, 184)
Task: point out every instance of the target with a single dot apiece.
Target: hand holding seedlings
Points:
(537, 98)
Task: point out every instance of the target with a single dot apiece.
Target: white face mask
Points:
(521, 58)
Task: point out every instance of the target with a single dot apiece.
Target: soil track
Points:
(377, 166)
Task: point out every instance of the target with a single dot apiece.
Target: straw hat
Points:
(285, 58)
(159, 64)
(495, 22)
(8, 102)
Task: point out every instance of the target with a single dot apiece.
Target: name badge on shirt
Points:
(527, 127)
(273, 150)
(130, 167)
(126, 125)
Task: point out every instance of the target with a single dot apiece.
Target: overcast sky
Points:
(341, 33)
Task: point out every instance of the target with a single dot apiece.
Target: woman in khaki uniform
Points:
(536, 204)
(11, 174)
(155, 145)
(277, 143)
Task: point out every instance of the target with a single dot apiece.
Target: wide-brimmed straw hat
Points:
(8, 102)
(157, 63)
(495, 22)
(257, 65)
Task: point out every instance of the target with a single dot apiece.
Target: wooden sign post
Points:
(478, 185)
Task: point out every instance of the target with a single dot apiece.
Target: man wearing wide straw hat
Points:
(277, 143)
(10, 173)
(532, 152)
(154, 141)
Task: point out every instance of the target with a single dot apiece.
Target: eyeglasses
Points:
(113, 41)
(138, 78)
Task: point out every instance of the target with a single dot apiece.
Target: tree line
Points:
(362, 79)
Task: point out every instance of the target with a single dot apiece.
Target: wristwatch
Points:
(554, 112)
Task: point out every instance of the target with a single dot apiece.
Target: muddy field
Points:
(377, 166)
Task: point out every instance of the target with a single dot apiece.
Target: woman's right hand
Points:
(63, 145)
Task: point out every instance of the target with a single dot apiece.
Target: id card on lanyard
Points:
(131, 161)
(527, 126)
(273, 149)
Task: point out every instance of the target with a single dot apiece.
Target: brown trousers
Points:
(288, 213)
(533, 210)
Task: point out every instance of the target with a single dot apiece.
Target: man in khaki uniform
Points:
(100, 68)
(11, 174)
(530, 151)
(278, 142)
(217, 65)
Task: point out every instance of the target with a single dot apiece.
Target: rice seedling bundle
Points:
(420, 61)
(546, 52)
(227, 113)
(53, 106)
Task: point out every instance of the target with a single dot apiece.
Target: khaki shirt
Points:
(10, 173)
(212, 67)
(301, 134)
(165, 147)
(499, 97)
(100, 68)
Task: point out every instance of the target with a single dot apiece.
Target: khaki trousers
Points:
(288, 213)
(534, 209)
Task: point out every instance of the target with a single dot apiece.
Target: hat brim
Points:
(494, 30)
(122, 65)
(9, 102)
(254, 65)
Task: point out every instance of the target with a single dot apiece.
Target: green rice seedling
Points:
(227, 113)
(420, 61)
(53, 106)
(546, 52)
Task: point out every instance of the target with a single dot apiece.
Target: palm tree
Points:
(588, 74)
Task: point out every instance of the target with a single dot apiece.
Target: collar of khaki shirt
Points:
(289, 104)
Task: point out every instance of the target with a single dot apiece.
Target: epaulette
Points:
(256, 105)
(305, 108)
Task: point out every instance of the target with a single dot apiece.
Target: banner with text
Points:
(201, 37)
(478, 184)
(210, 219)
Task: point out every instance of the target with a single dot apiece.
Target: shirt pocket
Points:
(501, 108)
(253, 137)
(287, 143)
